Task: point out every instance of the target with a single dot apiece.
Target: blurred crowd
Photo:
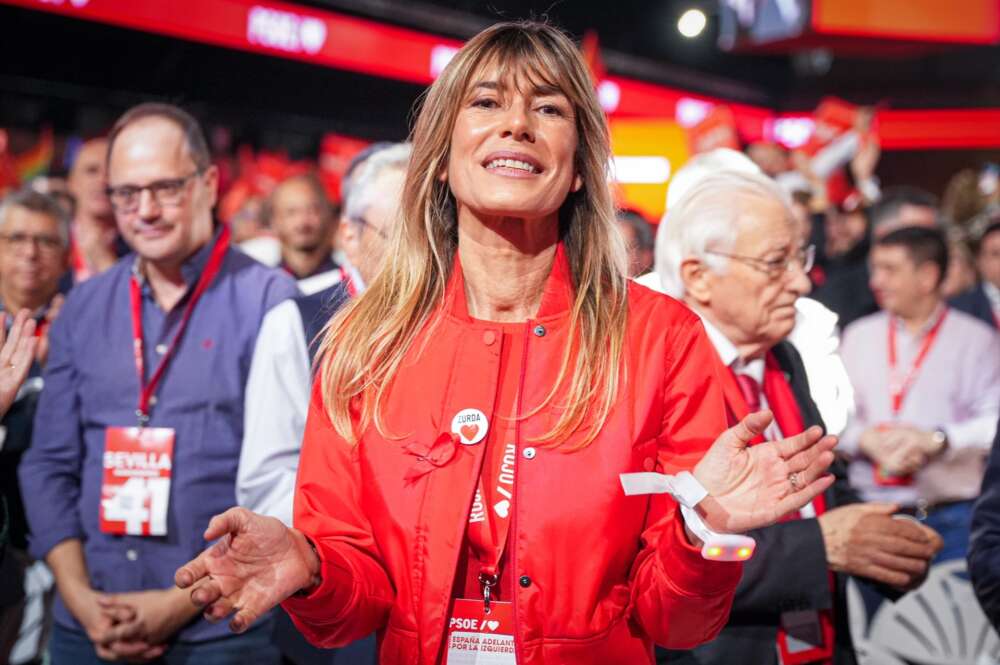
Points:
(895, 293)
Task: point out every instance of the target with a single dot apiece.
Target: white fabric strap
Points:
(688, 492)
(684, 487)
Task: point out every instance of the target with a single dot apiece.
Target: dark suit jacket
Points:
(788, 571)
(846, 289)
(316, 309)
(984, 545)
(975, 302)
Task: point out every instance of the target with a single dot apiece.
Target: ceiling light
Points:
(691, 23)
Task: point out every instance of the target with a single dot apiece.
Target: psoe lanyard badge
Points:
(138, 462)
(477, 638)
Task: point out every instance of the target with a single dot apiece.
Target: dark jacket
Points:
(845, 289)
(984, 545)
(788, 571)
(316, 309)
(975, 303)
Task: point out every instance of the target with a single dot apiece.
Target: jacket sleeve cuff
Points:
(691, 573)
(41, 541)
(327, 603)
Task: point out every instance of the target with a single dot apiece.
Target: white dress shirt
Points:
(276, 404)
(993, 296)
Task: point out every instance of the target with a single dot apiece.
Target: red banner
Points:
(329, 39)
(275, 28)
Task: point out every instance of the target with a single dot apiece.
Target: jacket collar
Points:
(557, 297)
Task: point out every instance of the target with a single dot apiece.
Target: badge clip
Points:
(488, 581)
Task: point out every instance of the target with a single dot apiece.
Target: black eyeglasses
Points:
(166, 192)
(803, 259)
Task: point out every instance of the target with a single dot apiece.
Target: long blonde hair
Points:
(365, 344)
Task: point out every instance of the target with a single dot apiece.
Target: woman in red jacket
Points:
(459, 487)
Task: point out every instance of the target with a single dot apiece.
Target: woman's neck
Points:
(505, 264)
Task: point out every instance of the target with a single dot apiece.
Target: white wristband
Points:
(688, 492)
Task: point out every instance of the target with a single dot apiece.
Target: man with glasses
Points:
(281, 373)
(927, 381)
(34, 244)
(139, 428)
(730, 250)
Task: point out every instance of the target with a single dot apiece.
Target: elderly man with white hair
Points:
(730, 250)
(815, 335)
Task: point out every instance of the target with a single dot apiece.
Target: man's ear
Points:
(696, 278)
(211, 179)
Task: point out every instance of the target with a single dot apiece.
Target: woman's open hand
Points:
(751, 487)
(256, 563)
(17, 352)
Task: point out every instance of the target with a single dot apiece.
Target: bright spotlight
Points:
(691, 23)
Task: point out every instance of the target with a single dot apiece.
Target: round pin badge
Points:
(470, 425)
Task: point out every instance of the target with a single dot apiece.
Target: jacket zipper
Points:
(512, 538)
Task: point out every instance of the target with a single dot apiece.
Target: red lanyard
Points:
(898, 388)
(489, 535)
(146, 390)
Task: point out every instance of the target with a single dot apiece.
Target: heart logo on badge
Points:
(493, 624)
(470, 425)
(502, 508)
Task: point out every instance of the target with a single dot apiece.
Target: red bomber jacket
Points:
(609, 574)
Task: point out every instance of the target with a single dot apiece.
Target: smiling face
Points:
(150, 150)
(751, 306)
(513, 148)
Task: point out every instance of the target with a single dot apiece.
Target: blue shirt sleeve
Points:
(50, 470)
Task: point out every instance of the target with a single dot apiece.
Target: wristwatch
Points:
(940, 440)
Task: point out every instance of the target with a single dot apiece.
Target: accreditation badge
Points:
(136, 488)
(478, 638)
(806, 636)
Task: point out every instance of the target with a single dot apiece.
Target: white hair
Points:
(360, 192)
(705, 164)
(706, 220)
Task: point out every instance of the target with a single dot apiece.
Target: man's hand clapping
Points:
(864, 539)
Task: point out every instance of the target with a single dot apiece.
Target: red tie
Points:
(751, 391)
